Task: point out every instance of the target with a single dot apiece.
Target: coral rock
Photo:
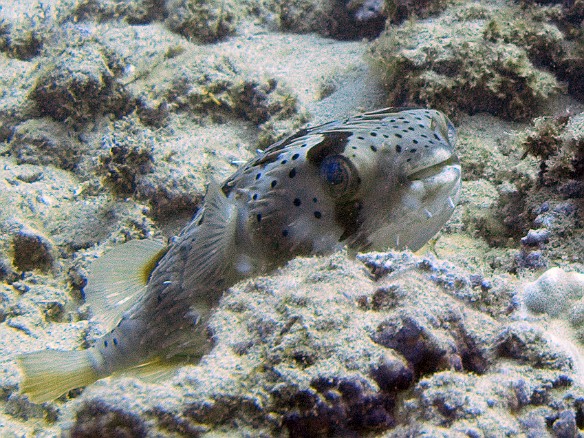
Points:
(554, 292)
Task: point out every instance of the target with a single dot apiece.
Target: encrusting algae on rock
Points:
(387, 178)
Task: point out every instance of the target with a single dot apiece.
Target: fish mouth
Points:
(448, 168)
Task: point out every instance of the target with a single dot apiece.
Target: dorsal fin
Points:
(119, 277)
(214, 248)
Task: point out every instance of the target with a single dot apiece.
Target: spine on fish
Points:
(50, 373)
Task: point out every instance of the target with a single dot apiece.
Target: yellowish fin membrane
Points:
(156, 370)
(118, 279)
(51, 373)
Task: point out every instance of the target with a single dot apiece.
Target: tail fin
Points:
(50, 373)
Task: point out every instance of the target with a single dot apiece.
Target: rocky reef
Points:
(538, 203)
(330, 347)
(497, 57)
(114, 115)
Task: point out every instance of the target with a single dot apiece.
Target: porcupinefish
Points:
(383, 179)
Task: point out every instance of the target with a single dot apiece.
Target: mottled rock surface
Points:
(113, 117)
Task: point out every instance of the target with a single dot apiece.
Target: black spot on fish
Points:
(398, 148)
(255, 197)
(105, 344)
(282, 144)
(373, 134)
(373, 148)
(259, 217)
(295, 156)
(297, 202)
(285, 233)
(273, 153)
(315, 200)
(317, 214)
(414, 141)
(292, 173)
(413, 151)
(273, 184)
(115, 341)
(398, 135)
(284, 161)
(437, 137)
(360, 137)
(258, 176)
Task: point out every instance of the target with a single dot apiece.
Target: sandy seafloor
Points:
(113, 115)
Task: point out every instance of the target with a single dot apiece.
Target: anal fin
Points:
(156, 370)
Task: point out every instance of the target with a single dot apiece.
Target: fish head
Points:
(397, 182)
(378, 180)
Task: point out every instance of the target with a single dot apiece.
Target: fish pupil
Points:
(340, 175)
(334, 172)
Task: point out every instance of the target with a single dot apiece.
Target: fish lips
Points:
(441, 171)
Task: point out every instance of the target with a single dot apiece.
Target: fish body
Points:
(383, 179)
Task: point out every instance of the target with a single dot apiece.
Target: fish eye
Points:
(340, 176)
